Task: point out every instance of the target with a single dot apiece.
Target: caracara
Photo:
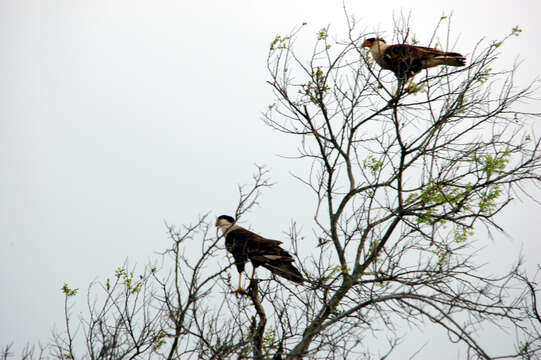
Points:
(245, 245)
(407, 60)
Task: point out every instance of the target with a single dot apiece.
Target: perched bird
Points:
(245, 245)
(407, 60)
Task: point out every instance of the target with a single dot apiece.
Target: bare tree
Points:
(400, 183)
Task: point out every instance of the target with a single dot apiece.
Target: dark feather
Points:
(245, 245)
(285, 270)
(407, 60)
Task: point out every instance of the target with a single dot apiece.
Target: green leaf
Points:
(120, 272)
(373, 164)
(516, 31)
(322, 34)
(68, 291)
(462, 233)
(158, 339)
(274, 42)
(269, 338)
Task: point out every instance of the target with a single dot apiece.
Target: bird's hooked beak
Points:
(225, 223)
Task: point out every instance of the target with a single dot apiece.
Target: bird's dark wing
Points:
(425, 52)
(247, 242)
(403, 60)
(236, 243)
(406, 60)
(254, 246)
(401, 51)
(262, 252)
(243, 244)
(284, 269)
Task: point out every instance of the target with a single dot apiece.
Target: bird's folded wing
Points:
(401, 51)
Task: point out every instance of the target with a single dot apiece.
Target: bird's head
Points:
(370, 42)
(225, 222)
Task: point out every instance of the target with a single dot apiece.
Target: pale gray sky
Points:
(118, 115)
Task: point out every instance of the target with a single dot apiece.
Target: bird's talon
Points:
(238, 291)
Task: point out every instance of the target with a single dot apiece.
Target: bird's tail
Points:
(449, 58)
(285, 270)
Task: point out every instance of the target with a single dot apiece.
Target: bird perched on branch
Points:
(245, 245)
(407, 60)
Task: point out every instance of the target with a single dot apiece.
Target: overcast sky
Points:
(118, 115)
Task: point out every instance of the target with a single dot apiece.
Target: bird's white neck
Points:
(377, 49)
(227, 227)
